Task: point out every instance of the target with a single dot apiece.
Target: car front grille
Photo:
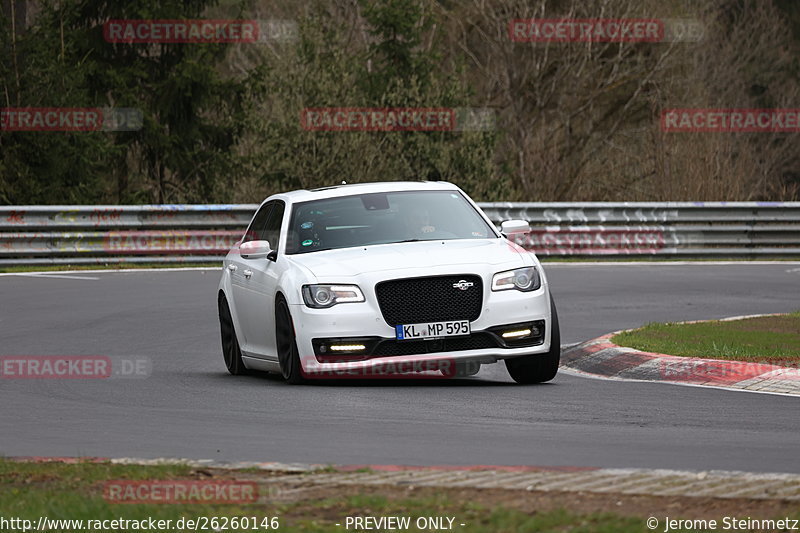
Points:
(430, 299)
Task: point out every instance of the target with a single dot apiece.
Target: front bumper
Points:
(363, 323)
(338, 349)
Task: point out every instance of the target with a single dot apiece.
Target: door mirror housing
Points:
(507, 227)
(254, 249)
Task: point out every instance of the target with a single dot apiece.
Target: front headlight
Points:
(522, 279)
(321, 296)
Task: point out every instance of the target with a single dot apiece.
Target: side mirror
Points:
(507, 227)
(254, 249)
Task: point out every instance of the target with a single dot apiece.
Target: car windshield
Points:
(383, 218)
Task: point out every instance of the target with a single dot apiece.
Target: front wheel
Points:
(231, 351)
(288, 356)
(541, 367)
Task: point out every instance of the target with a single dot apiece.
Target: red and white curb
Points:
(601, 357)
(632, 481)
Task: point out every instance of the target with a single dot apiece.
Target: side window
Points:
(272, 229)
(255, 231)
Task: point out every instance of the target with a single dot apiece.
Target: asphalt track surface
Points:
(190, 407)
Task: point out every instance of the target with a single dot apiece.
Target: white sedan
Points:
(406, 279)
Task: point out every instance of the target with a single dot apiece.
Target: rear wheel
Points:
(288, 356)
(542, 367)
(231, 351)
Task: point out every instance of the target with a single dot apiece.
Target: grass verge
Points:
(769, 339)
(76, 492)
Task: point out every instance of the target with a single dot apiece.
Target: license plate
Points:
(430, 330)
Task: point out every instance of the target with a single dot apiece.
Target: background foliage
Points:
(574, 121)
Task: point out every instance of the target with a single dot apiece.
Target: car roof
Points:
(334, 191)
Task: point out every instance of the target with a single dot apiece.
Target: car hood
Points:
(413, 255)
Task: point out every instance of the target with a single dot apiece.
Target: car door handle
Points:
(232, 267)
(248, 273)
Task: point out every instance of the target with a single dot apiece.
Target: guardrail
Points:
(669, 229)
(31, 235)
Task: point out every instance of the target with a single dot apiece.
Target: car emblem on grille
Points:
(463, 285)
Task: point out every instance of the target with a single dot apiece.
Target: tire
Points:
(231, 351)
(286, 342)
(542, 367)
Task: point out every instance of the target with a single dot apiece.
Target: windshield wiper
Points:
(413, 240)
